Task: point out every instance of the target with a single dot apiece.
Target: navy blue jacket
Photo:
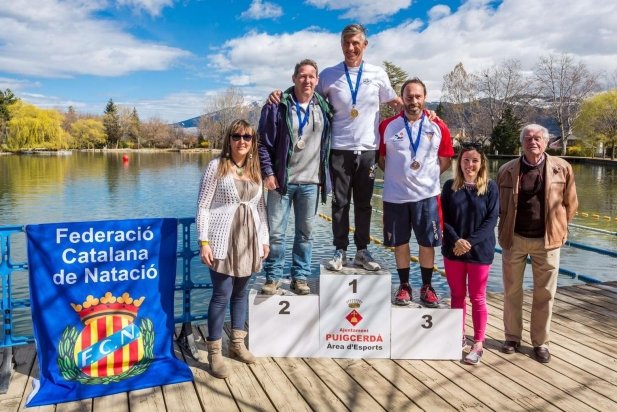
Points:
(471, 217)
(276, 140)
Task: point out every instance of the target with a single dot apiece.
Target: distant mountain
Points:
(193, 122)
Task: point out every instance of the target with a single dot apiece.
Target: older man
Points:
(293, 151)
(537, 197)
(355, 89)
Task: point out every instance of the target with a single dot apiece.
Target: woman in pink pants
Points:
(470, 205)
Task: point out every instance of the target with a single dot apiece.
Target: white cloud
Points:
(16, 84)
(438, 12)
(152, 7)
(476, 34)
(262, 10)
(62, 39)
(364, 11)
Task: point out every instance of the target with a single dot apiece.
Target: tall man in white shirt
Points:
(355, 89)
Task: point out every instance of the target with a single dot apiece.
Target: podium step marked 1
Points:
(352, 317)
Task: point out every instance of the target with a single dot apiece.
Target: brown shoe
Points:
(542, 354)
(510, 346)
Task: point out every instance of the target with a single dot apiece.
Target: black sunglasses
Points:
(471, 145)
(245, 137)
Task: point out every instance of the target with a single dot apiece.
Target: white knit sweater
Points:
(216, 206)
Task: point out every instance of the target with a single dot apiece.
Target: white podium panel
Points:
(355, 314)
(283, 326)
(421, 333)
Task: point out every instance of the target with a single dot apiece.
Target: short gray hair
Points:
(534, 128)
(352, 30)
(305, 62)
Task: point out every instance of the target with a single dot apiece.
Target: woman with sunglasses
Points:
(470, 205)
(233, 238)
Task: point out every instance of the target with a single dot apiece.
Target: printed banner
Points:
(102, 298)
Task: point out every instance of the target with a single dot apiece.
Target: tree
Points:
(7, 98)
(597, 120)
(155, 133)
(440, 110)
(460, 89)
(69, 118)
(397, 77)
(111, 120)
(34, 128)
(564, 84)
(221, 109)
(503, 87)
(505, 135)
(88, 133)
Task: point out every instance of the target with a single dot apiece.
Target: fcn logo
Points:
(110, 347)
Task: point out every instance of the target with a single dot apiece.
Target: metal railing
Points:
(9, 303)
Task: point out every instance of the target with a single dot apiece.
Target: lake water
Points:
(100, 186)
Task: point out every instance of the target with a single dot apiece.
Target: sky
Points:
(167, 58)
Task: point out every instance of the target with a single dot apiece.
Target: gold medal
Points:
(415, 165)
(300, 144)
(354, 113)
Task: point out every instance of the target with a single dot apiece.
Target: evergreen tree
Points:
(134, 128)
(111, 120)
(440, 110)
(397, 77)
(505, 135)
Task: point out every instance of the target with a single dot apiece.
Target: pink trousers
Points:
(473, 276)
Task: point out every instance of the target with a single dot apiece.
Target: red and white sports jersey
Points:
(403, 184)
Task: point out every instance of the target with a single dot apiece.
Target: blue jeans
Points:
(303, 197)
(226, 289)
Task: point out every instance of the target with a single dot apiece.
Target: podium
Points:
(351, 317)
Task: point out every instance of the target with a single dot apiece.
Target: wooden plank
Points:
(281, 391)
(592, 295)
(460, 374)
(344, 386)
(213, 392)
(118, 402)
(560, 374)
(428, 372)
(83, 405)
(146, 400)
(388, 396)
(180, 396)
(585, 302)
(315, 392)
(565, 340)
(24, 357)
(34, 373)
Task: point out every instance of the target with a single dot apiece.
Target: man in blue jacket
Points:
(293, 151)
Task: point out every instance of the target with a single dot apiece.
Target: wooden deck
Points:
(582, 375)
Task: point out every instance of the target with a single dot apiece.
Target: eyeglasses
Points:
(471, 145)
(245, 137)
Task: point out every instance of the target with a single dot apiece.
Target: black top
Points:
(531, 199)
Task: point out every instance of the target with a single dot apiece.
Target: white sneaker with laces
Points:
(363, 258)
(338, 260)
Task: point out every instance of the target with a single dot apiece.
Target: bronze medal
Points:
(354, 113)
(415, 165)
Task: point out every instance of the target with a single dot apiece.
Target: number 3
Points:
(428, 321)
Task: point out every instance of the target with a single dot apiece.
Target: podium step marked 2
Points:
(351, 317)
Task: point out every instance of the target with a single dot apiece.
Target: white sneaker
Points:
(338, 260)
(363, 258)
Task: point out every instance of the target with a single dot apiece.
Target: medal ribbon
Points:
(354, 93)
(416, 144)
(302, 122)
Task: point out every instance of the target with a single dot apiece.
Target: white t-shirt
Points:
(402, 184)
(362, 132)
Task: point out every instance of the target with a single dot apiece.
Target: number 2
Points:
(285, 308)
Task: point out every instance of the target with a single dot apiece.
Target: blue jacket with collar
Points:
(276, 140)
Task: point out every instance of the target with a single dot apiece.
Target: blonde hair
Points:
(251, 165)
(481, 179)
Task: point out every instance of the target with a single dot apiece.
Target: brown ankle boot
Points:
(218, 368)
(237, 350)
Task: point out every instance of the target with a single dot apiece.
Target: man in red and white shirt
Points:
(413, 152)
